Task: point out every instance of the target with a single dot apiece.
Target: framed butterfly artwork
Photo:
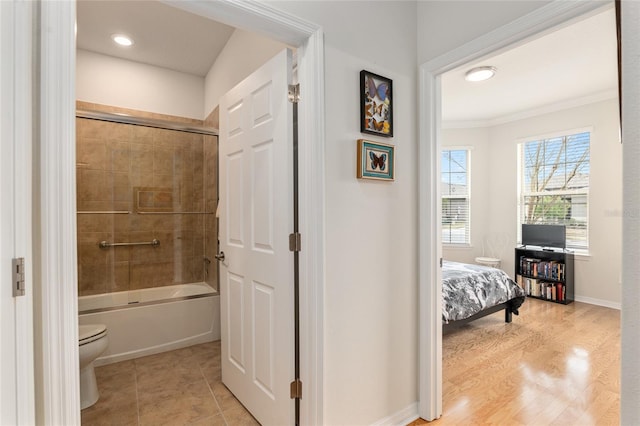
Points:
(376, 104)
(375, 160)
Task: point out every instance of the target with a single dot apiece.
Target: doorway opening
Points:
(60, 318)
(546, 19)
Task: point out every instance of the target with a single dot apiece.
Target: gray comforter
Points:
(468, 289)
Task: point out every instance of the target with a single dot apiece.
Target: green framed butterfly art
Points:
(376, 160)
(376, 104)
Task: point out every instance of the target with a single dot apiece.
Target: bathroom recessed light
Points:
(122, 40)
(480, 73)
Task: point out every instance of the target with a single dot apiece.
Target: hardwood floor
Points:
(553, 364)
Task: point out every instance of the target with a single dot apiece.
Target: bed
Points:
(470, 292)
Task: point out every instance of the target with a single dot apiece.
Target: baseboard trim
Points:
(599, 302)
(401, 418)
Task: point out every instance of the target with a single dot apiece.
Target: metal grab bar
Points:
(104, 244)
(104, 212)
(175, 212)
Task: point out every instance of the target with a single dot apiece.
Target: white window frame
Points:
(520, 183)
(467, 242)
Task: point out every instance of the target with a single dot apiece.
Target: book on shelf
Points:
(545, 275)
(532, 287)
(537, 268)
(520, 281)
(544, 289)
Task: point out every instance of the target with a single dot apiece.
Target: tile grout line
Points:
(135, 376)
(213, 395)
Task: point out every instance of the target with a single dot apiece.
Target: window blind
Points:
(555, 185)
(455, 196)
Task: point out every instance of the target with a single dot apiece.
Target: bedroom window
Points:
(455, 196)
(555, 185)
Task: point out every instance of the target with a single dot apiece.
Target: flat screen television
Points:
(544, 235)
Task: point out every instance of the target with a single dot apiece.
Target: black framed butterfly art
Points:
(376, 104)
(375, 160)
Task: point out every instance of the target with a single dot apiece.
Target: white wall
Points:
(370, 328)
(495, 212)
(478, 141)
(108, 80)
(244, 53)
(444, 25)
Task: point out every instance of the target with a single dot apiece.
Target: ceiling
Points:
(163, 35)
(573, 65)
(566, 67)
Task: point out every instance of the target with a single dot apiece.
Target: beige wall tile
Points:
(142, 135)
(163, 161)
(95, 223)
(91, 153)
(118, 156)
(168, 246)
(141, 158)
(165, 222)
(141, 275)
(142, 253)
(94, 185)
(213, 119)
(164, 181)
(140, 178)
(90, 253)
(164, 273)
(117, 131)
(120, 281)
(88, 205)
(92, 278)
(115, 160)
(165, 138)
(121, 186)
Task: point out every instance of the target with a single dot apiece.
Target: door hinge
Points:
(294, 93)
(18, 276)
(295, 242)
(296, 389)
(441, 262)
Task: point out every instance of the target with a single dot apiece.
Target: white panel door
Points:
(256, 218)
(17, 405)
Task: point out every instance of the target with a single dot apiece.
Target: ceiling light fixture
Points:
(480, 73)
(122, 40)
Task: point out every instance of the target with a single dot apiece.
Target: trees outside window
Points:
(455, 196)
(555, 185)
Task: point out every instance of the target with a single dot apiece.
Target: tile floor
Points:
(180, 387)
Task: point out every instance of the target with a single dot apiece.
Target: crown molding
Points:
(605, 95)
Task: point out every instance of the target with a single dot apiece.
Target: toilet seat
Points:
(91, 333)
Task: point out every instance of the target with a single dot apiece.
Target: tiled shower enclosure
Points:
(137, 184)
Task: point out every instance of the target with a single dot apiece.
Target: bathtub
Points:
(149, 321)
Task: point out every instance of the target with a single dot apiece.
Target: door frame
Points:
(56, 329)
(544, 19)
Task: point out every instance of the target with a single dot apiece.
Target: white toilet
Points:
(93, 342)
